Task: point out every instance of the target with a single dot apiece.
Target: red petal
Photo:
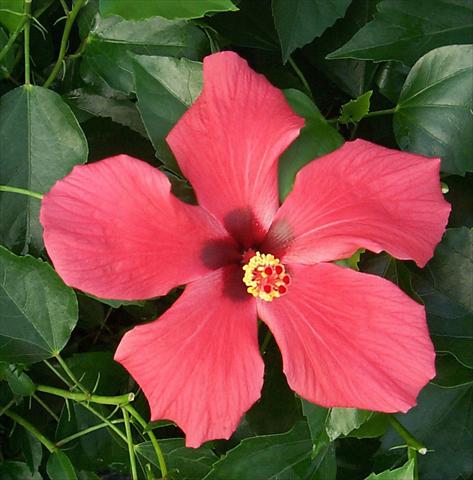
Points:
(228, 144)
(199, 364)
(361, 196)
(113, 229)
(350, 339)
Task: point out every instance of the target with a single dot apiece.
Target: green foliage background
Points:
(83, 80)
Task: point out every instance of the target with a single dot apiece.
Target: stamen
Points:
(265, 276)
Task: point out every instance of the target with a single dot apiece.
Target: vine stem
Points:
(121, 400)
(300, 75)
(71, 16)
(131, 447)
(21, 191)
(86, 405)
(91, 429)
(32, 429)
(27, 13)
(410, 440)
(87, 397)
(159, 453)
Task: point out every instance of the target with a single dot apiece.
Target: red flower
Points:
(348, 339)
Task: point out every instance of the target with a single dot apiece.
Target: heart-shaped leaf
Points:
(37, 311)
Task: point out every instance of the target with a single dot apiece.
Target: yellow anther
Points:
(265, 277)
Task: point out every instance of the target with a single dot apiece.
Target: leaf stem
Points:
(87, 397)
(106, 421)
(86, 431)
(86, 405)
(69, 373)
(58, 374)
(377, 113)
(131, 447)
(64, 6)
(159, 453)
(71, 16)
(27, 13)
(300, 75)
(410, 440)
(21, 191)
(32, 429)
(46, 407)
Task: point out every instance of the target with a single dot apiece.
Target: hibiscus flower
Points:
(347, 339)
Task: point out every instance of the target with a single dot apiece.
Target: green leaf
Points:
(390, 79)
(451, 373)
(278, 409)
(285, 456)
(11, 13)
(353, 261)
(183, 463)
(434, 115)
(18, 381)
(406, 472)
(98, 372)
(317, 138)
(165, 88)
(7, 63)
(86, 475)
(59, 467)
(404, 30)
(328, 424)
(355, 110)
(37, 311)
(139, 9)
(252, 26)
(342, 421)
(316, 417)
(98, 449)
(446, 288)
(41, 142)
(91, 313)
(17, 471)
(354, 77)
(107, 59)
(116, 106)
(443, 422)
(375, 426)
(298, 22)
(32, 450)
